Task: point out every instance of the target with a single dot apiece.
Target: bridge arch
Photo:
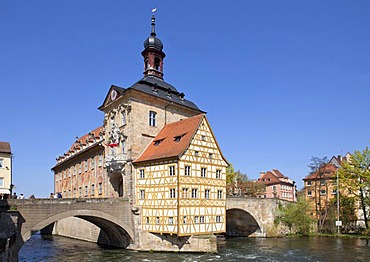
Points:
(240, 223)
(120, 234)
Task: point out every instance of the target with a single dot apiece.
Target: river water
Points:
(232, 249)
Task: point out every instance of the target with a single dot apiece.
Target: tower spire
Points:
(153, 54)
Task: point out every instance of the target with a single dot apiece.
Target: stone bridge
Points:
(115, 217)
(252, 217)
(112, 215)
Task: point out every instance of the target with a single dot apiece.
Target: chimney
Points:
(262, 174)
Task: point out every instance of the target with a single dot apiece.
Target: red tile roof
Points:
(326, 171)
(5, 147)
(165, 144)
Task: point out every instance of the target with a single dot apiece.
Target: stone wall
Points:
(9, 236)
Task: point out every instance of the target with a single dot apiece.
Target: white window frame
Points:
(203, 172)
(218, 173)
(142, 194)
(1, 182)
(219, 194)
(100, 188)
(170, 221)
(142, 173)
(93, 190)
(207, 193)
(152, 118)
(172, 193)
(196, 220)
(187, 170)
(185, 192)
(202, 219)
(194, 193)
(171, 170)
(218, 219)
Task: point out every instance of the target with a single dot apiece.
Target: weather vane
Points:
(154, 9)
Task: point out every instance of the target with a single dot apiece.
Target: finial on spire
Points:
(153, 22)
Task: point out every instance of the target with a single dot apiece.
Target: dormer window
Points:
(157, 142)
(178, 138)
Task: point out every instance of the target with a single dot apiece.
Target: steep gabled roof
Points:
(173, 140)
(5, 147)
(326, 171)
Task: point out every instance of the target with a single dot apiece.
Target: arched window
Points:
(157, 63)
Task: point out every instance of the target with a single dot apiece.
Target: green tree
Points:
(230, 174)
(355, 177)
(295, 216)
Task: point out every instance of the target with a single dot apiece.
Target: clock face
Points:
(113, 94)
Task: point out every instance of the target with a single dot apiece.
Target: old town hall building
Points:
(156, 148)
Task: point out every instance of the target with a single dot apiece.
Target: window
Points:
(172, 193)
(1, 163)
(79, 169)
(157, 63)
(74, 192)
(203, 138)
(177, 138)
(142, 173)
(86, 165)
(157, 220)
(152, 118)
(142, 194)
(218, 173)
(80, 191)
(322, 182)
(202, 219)
(92, 163)
(207, 193)
(334, 192)
(196, 153)
(100, 160)
(93, 190)
(203, 172)
(218, 219)
(194, 193)
(274, 188)
(219, 194)
(172, 170)
(123, 117)
(123, 146)
(1, 182)
(309, 183)
(187, 170)
(147, 220)
(323, 192)
(100, 188)
(196, 220)
(170, 220)
(185, 192)
(86, 190)
(184, 220)
(210, 155)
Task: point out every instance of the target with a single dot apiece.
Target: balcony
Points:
(115, 162)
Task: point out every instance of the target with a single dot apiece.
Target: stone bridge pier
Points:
(253, 217)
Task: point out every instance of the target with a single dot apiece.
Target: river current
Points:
(232, 249)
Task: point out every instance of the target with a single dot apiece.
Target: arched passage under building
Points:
(117, 233)
(117, 183)
(240, 223)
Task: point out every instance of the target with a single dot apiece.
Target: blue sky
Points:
(281, 81)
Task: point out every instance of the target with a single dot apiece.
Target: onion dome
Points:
(152, 40)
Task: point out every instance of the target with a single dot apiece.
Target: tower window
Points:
(152, 118)
(146, 64)
(157, 63)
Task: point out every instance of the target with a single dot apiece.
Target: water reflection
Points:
(234, 249)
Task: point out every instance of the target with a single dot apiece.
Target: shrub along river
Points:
(232, 249)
